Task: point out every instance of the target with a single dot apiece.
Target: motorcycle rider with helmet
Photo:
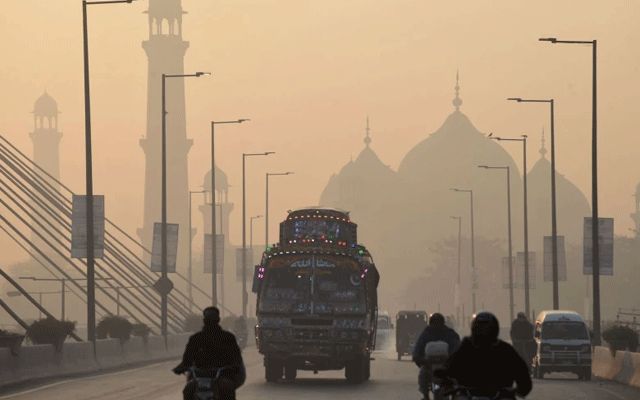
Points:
(435, 331)
(485, 363)
(213, 347)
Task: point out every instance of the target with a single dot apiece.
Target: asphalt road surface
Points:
(390, 379)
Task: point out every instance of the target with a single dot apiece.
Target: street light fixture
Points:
(91, 291)
(214, 251)
(190, 272)
(526, 219)
(554, 224)
(594, 187)
(511, 305)
(266, 208)
(474, 274)
(163, 237)
(244, 230)
(457, 288)
(17, 294)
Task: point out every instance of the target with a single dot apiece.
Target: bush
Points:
(141, 330)
(620, 338)
(49, 331)
(193, 323)
(227, 322)
(115, 327)
(4, 334)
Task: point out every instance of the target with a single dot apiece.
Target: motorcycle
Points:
(206, 389)
(436, 354)
(466, 393)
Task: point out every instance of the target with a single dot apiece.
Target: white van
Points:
(563, 344)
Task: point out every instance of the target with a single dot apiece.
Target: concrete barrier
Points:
(109, 353)
(177, 343)
(135, 350)
(624, 367)
(78, 357)
(8, 366)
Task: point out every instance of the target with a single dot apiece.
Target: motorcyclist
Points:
(435, 331)
(486, 363)
(522, 337)
(213, 347)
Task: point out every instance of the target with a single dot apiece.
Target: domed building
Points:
(223, 207)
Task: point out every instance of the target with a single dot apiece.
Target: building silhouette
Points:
(165, 51)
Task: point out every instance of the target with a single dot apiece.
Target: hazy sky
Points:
(307, 73)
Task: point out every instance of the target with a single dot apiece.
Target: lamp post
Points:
(594, 187)
(266, 208)
(511, 306)
(91, 291)
(554, 225)
(214, 253)
(63, 281)
(190, 272)
(163, 237)
(457, 289)
(16, 294)
(244, 230)
(251, 231)
(526, 221)
(474, 275)
(117, 289)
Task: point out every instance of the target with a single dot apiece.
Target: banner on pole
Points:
(548, 259)
(208, 256)
(79, 226)
(605, 246)
(248, 265)
(505, 271)
(520, 270)
(172, 247)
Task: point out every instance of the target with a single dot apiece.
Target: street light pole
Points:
(594, 187)
(214, 251)
(457, 289)
(91, 291)
(266, 208)
(163, 240)
(190, 272)
(554, 222)
(251, 231)
(511, 305)
(474, 274)
(526, 220)
(244, 230)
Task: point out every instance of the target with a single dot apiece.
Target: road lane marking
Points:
(82, 379)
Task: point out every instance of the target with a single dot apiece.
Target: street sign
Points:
(548, 259)
(79, 226)
(605, 245)
(172, 247)
(520, 270)
(208, 263)
(163, 286)
(505, 271)
(248, 265)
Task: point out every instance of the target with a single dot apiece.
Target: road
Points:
(390, 379)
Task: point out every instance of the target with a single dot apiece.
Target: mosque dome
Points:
(222, 182)
(45, 106)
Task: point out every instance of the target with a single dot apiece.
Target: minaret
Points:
(46, 142)
(367, 139)
(457, 102)
(165, 50)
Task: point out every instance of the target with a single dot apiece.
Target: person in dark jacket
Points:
(522, 337)
(435, 331)
(486, 363)
(213, 347)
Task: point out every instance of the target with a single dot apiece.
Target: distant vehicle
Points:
(317, 298)
(563, 344)
(384, 331)
(409, 326)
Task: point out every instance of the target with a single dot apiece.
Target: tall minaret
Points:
(46, 141)
(165, 50)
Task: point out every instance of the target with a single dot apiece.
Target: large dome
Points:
(45, 106)
(222, 182)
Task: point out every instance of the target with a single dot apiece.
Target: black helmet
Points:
(484, 329)
(436, 319)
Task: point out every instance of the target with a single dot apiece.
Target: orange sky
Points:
(307, 74)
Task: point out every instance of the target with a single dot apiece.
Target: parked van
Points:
(384, 331)
(563, 344)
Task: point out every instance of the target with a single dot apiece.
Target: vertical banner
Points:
(505, 271)
(520, 270)
(548, 259)
(172, 247)
(248, 266)
(208, 254)
(605, 245)
(79, 226)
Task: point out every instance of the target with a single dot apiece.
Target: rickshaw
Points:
(409, 326)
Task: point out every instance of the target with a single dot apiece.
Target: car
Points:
(409, 326)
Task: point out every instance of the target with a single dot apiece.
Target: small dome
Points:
(222, 182)
(45, 106)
